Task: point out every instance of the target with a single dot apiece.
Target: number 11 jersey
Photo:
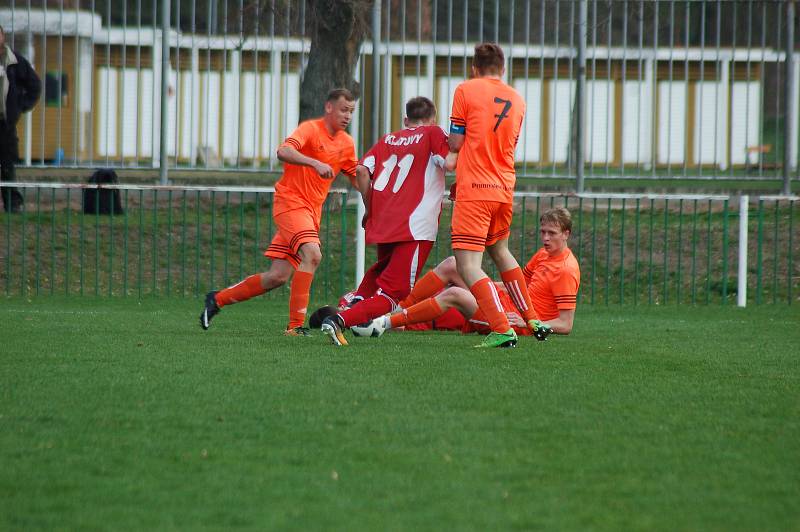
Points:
(407, 169)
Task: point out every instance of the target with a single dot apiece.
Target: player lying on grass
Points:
(401, 179)
(552, 277)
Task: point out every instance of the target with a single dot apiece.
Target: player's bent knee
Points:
(310, 257)
(447, 268)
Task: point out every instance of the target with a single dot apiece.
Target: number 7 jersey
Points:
(407, 171)
(489, 114)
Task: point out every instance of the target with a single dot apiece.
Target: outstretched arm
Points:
(290, 155)
(563, 323)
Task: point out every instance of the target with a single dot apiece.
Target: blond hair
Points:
(559, 216)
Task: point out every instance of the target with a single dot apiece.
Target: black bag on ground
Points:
(100, 201)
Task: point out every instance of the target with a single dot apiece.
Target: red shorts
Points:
(479, 324)
(398, 267)
(477, 224)
(295, 228)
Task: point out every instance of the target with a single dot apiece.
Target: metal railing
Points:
(634, 249)
(701, 89)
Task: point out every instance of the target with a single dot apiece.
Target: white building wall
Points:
(672, 122)
(529, 147)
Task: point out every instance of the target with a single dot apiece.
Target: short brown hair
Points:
(489, 58)
(420, 108)
(559, 216)
(335, 94)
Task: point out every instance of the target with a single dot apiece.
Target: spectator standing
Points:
(19, 91)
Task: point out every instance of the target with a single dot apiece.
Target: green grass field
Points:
(120, 414)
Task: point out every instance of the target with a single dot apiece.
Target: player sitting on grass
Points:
(552, 277)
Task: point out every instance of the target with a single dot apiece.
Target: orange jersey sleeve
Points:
(489, 114)
(300, 136)
(301, 187)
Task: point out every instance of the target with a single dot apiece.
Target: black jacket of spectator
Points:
(24, 88)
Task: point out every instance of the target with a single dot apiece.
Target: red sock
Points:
(369, 284)
(427, 286)
(489, 302)
(364, 311)
(298, 298)
(423, 311)
(516, 287)
(242, 291)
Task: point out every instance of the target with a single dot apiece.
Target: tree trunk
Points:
(338, 29)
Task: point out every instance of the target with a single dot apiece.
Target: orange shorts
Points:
(477, 224)
(295, 228)
(480, 324)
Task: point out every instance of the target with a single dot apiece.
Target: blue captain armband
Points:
(458, 130)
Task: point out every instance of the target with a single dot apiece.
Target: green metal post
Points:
(666, 243)
(256, 240)
(97, 243)
(225, 276)
(538, 206)
(760, 252)
(790, 265)
(608, 251)
(213, 237)
(622, 255)
(197, 210)
(636, 254)
(68, 267)
(694, 254)
(594, 249)
(724, 252)
(140, 271)
(38, 237)
(23, 250)
(650, 270)
(523, 238)
(8, 253)
(680, 251)
(708, 256)
(183, 243)
(169, 242)
(126, 208)
(53, 241)
(327, 263)
(775, 255)
(80, 242)
(155, 244)
(241, 235)
(111, 251)
(343, 229)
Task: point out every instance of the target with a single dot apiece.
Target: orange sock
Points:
(298, 298)
(427, 286)
(489, 302)
(398, 320)
(421, 312)
(516, 287)
(242, 291)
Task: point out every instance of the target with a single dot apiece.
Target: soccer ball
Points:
(371, 329)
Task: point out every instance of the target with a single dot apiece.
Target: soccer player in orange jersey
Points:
(485, 124)
(552, 278)
(313, 156)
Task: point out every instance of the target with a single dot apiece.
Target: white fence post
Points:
(361, 247)
(741, 295)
